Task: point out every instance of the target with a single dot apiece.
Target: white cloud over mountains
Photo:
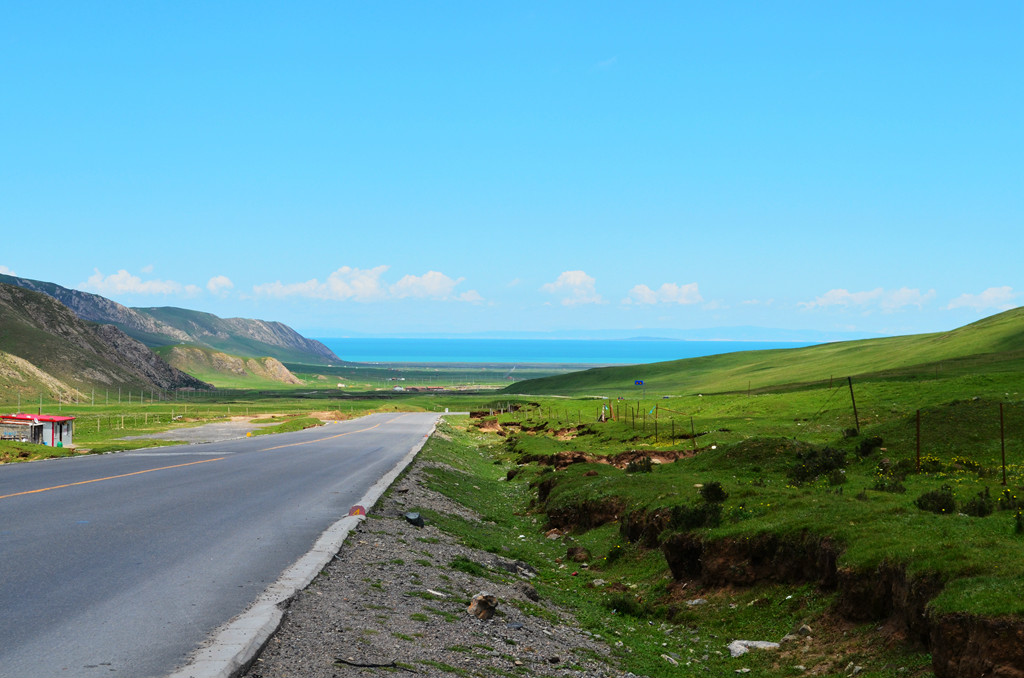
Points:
(124, 282)
(365, 285)
(220, 285)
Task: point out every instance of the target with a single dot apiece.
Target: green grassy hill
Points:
(992, 344)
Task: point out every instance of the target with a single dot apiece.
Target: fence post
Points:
(856, 419)
(918, 441)
(1002, 441)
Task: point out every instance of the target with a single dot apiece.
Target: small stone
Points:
(483, 605)
(414, 519)
(599, 582)
(738, 648)
(671, 661)
(804, 630)
(743, 670)
(554, 660)
(696, 601)
(553, 533)
(528, 591)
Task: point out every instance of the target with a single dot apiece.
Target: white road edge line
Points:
(234, 646)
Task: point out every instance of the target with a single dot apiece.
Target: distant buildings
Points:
(42, 429)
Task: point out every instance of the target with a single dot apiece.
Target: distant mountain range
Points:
(735, 333)
(66, 343)
(168, 326)
(45, 348)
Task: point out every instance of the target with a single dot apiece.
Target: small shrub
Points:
(641, 465)
(1007, 501)
(1019, 526)
(692, 517)
(981, 505)
(966, 463)
(868, 445)
(931, 464)
(902, 468)
(850, 433)
(889, 485)
(713, 493)
(836, 476)
(614, 554)
(937, 501)
(814, 463)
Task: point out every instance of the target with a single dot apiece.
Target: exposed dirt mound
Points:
(562, 460)
(585, 515)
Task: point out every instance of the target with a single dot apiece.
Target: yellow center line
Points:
(337, 435)
(96, 480)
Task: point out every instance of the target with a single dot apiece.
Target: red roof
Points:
(21, 416)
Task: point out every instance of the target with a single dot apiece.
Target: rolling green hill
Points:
(996, 343)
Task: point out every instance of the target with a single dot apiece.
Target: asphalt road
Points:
(122, 565)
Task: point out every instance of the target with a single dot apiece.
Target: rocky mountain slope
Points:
(67, 353)
(217, 366)
(165, 326)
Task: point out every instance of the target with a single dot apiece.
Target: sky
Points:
(385, 168)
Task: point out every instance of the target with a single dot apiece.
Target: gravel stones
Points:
(390, 599)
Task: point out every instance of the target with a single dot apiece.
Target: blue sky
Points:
(383, 168)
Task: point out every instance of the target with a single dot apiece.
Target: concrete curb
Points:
(234, 646)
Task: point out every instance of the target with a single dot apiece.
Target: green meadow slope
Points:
(993, 344)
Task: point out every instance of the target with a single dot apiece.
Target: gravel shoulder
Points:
(391, 602)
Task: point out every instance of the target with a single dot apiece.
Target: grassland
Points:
(798, 451)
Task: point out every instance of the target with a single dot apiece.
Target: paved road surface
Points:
(121, 565)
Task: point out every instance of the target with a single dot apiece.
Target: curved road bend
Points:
(122, 565)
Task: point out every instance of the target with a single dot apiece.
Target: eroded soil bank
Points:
(962, 646)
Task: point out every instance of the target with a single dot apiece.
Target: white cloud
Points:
(576, 287)
(220, 284)
(343, 284)
(124, 282)
(147, 269)
(897, 299)
(365, 285)
(6, 271)
(432, 285)
(888, 301)
(669, 293)
(994, 298)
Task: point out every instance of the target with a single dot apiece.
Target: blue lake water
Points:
(522, 351)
